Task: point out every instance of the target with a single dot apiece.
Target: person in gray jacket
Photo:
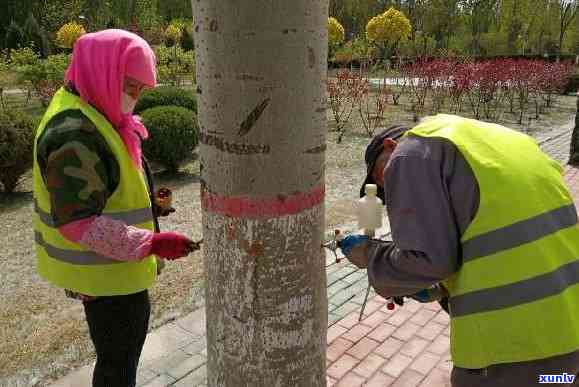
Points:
(431, 195)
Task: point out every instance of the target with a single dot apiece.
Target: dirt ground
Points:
(43, 335)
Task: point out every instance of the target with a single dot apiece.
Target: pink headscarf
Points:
(100, 62)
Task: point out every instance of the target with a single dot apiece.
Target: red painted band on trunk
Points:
(271, 207)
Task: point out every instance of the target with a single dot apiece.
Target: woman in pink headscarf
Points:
(96, 230)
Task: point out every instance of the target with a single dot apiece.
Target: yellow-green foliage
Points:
(336, 32)
(23, 57)
(173, 34)
(68, 34)
(388, 28)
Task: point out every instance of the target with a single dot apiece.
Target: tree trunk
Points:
(261, 72)
(574, 151)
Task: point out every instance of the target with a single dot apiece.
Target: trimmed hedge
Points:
(173, 135)
(16, 145)
(166, 96)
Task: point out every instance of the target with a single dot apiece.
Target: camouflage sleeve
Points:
(78, 167)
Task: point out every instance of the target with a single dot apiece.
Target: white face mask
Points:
(127, 103)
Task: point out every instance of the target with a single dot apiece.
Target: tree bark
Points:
(261, 71)
(574, 151)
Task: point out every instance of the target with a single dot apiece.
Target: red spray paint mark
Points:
(260, 208)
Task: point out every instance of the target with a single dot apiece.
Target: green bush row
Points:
(16, 144)
(166, 96)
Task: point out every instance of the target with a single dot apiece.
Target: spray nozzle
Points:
(371, 189)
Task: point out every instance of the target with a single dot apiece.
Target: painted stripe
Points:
(259, 208)
(519, 233)
(530, 290)
(84, 258)
(131, 217)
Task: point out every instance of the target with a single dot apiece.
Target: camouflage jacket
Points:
(78, 167)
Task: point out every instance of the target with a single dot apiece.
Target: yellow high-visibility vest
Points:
(69, 265)
(516, 296)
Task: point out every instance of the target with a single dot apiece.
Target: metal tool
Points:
(389, 301)
(334, 244)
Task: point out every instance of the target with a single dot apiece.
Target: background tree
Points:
(262, 120)
(336, 35)
(574, 151)
(14, 37)
(465, 27)
(387, 30)
(52, 14)
(567, 13)
(478, 17)
(441, 21)
(173, 9)
(68, 34)
(35, 36)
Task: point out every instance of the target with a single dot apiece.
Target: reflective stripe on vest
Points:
(74, 257)
(519, 233)
(516, 296)
(130, 217)
(71, 266)
(518, 293)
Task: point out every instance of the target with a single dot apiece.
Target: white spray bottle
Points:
(369, 211)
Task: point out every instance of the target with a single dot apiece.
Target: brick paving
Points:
(402, 348)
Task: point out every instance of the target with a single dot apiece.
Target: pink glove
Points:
(171, 245)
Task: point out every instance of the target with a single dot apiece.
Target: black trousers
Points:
(523, 374)
(118, 327)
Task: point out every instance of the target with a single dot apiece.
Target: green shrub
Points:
(44, 77)
(174, 64)
(16, 146)
(23, 57)
(166, 96)
(173, 135)
(172, 35)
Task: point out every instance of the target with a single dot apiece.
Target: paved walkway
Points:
(407, 347)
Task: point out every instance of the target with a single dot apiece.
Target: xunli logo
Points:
(563, 378)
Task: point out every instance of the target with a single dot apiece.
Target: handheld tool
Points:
(369, 211)
(334, 244)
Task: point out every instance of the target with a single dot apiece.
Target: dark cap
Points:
(373, 151)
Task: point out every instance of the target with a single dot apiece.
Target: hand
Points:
(355, 248)
(160, 212)
(162, 204)
(171, 245)
(434, 293)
